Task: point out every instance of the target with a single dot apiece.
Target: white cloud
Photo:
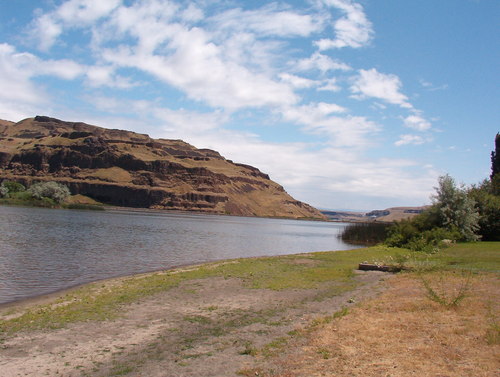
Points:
(18, 95)
(46, 30)
(319, 119)
(410, 139)
(330, 85)
(351, 30)
(371, 83)
(431, 87)
(85, 11)
(297, 81)
(196, 65)
(417, 123)
(73, 13)
(182, 121)
(321, 62)
(268, 21)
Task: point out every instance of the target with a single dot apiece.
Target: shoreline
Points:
(46, 297)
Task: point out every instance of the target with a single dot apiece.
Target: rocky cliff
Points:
(130, 169)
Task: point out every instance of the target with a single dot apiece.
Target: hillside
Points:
(385, 215)
(130, 169)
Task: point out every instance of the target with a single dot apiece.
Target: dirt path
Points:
(209, 327)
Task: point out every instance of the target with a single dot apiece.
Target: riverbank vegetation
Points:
(458, 213)
(42, 194)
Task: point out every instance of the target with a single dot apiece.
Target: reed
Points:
(368, 234)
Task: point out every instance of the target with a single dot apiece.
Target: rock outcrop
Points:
(130, 169)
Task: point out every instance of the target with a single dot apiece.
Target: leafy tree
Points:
(488, 207)
(495, 158)
(52, 190)
(456, 209)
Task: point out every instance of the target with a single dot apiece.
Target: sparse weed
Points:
(325, 353)
(445, 293)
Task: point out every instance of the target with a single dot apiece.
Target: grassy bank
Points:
(103, 300)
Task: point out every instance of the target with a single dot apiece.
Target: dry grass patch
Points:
(404, 333)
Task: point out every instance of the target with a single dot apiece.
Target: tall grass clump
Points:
(365, 233)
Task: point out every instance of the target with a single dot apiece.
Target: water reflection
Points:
(44, 250)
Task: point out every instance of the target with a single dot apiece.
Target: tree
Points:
(456, 209)
(495, 158)
(488, 206)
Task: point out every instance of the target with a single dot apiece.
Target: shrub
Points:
(52, 190)
(424, 232)
(13, 186)
(7, 188)
(4, 192)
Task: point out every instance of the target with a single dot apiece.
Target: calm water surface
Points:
(45, 250)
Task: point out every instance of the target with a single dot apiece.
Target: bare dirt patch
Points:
(206, 327)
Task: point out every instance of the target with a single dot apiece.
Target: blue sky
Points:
(347, 104)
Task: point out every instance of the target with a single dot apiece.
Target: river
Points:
(46, 250)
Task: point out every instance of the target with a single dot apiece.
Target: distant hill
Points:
(385, 215)
(129, 169)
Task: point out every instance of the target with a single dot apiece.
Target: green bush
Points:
(13, 186)
(8, 188)
(425, 232)
(51, 190)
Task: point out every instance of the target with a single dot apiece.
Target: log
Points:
(376, 267)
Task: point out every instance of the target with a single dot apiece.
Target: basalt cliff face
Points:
(129, 169)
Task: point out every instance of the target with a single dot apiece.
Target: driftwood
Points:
(377, 267)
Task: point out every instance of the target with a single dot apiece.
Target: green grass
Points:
(476, 256)
(306, 271)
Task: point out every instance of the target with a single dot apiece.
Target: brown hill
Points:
(384, 215)
(130, 169)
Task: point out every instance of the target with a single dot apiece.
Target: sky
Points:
(354, 105)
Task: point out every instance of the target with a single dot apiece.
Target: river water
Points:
(46, 250)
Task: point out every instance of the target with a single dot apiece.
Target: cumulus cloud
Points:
(386, 87)
(297, 81)
(323, 119)
(417, 123)
(192, 62)
(73, 13)
(321, 62)
(330, 85)
(269, 20)
(353, 29)
(18, 94)
(410, 139)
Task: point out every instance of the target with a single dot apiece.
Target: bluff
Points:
(130, 169)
